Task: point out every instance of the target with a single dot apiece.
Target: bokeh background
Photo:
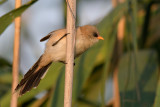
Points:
(123, 70)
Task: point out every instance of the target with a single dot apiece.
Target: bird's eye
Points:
(95, 34)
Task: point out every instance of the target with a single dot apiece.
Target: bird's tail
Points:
(32, 78)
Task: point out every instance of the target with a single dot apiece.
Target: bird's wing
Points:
(60, 39)
(49, 35)
(46, 37)
(55, 37)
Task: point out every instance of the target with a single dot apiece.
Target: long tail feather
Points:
(32, 78)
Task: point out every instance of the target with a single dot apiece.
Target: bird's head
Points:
(91, 32)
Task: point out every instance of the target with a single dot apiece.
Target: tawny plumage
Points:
(55, 51)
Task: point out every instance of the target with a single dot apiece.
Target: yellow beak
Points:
(100, 37)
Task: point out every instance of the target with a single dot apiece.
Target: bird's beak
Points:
(100, 37)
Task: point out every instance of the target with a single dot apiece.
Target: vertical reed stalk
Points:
(71, 29)
(118, 50)
(15, 68)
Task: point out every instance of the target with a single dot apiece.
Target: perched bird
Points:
(55, 51)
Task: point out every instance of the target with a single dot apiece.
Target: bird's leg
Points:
(63, 62)
(66, 62)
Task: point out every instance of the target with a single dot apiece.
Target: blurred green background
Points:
(136, 57)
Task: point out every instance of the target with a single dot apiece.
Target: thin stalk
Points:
(133, 14)
(15, 68)
(118, 49)
(71, 29)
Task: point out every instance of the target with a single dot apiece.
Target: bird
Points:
(55, 51)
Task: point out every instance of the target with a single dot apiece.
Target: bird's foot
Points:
(66, 62)
(63, 62)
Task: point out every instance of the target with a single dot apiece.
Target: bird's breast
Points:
(81, 46)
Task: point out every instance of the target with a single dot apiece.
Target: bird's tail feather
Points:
(32, 78)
